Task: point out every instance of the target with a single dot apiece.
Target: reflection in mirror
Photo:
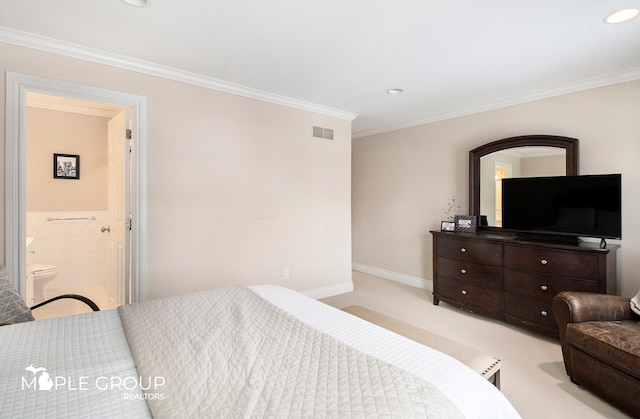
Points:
(514, 162)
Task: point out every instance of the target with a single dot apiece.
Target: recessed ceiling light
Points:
(394, 91)
(622, 15)
(137, 3)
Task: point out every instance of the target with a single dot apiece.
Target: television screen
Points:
(588, 205)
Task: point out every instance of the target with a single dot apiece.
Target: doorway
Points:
(76, 231)
(502, 171)
(18, 87)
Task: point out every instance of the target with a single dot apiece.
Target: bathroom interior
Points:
(69, 239)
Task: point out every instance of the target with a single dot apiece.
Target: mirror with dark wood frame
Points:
(534, 147)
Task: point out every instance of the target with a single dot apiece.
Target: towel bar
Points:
(71, 218)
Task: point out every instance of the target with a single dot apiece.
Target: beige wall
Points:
(544, 166)
(402, 180)
(238, 189)
(49, 132)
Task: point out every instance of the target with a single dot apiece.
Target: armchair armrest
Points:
(576, 307)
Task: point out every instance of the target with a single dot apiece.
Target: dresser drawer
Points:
(470, 250)
(530, 310)
(515, 280)
(469, 295)
(551, 261)
(543, 286)
(472, 273)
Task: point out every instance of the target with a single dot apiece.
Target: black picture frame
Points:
(448, 226)
(465, 223)
(66, 166)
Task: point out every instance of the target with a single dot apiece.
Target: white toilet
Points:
(42, 274)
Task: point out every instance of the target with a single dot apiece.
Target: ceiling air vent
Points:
(324, 133)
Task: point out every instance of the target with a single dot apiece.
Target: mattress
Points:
(90, 368)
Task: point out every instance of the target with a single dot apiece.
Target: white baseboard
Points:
(394, 276)
(345, 287)
(330, 291)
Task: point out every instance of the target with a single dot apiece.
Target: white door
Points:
(119, 210)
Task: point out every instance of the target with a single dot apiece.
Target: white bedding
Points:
(472, 394)
(229, 353)
(93, 345)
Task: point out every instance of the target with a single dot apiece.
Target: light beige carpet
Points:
(532, 373)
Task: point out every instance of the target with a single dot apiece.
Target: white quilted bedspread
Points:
(231, 353)
(91, 345)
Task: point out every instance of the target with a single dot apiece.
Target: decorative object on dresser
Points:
(465, 223)
(447, 226)
(501, 277)
(452, 207)
(450, 214)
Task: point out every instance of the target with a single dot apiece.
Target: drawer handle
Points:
(544, 288)
(544, 312)
(463, 250)
(464, 292)
(464, 271)
(544, 261)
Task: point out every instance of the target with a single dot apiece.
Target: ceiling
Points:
(340, 56)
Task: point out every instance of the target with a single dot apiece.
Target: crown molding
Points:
(55, 46)
(29, 40)
(573, 87)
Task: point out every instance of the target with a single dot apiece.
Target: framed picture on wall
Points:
(66, 166)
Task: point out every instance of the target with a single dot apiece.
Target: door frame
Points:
(15, 170)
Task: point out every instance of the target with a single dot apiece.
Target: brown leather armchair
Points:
(600, 338)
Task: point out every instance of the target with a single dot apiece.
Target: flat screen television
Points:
(575, 206)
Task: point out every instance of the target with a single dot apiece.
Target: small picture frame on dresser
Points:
(465, 223)
(448, 226)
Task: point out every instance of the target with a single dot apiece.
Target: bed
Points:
(259, 351)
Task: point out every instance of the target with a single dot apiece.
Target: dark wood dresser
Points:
(501, 277)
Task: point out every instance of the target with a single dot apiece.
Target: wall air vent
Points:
(324, 133)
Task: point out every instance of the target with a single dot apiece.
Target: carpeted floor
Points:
(532, 374)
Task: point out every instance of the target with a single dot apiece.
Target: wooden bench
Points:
(485, 365)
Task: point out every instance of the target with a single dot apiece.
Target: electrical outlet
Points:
(285, 274)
